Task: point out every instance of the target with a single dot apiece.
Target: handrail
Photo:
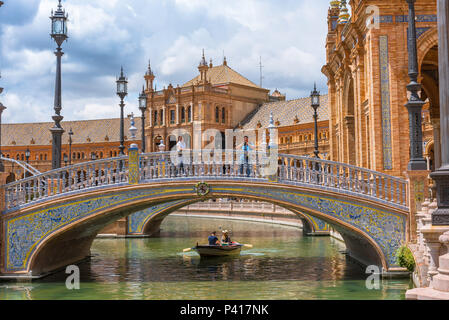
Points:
(163, 166)
(24, 165)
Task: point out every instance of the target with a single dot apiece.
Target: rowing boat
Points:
(218, 251)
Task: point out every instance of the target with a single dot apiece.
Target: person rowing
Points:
(213, 240)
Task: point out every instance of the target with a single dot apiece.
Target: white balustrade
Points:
(165, 166)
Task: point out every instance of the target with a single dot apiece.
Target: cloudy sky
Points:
(289, 35)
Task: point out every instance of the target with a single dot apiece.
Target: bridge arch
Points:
(147, 222)
(47, 236)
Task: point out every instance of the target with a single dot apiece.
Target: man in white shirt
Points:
(180, 146)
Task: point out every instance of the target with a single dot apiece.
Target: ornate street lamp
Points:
(27, 155)
(65, 159)
(59, 34)
(70, 146)
(143, 109)
(414, 104)
(122, 92)
(93, 156)
(315, 98)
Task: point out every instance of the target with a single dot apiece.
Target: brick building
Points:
(218, 98)
(367, 71)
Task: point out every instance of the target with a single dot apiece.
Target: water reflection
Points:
(281, 265)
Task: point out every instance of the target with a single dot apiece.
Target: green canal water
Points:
(282, 265)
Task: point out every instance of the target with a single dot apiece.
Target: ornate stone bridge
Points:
(50, 220)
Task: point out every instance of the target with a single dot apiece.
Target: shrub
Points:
(405, 258)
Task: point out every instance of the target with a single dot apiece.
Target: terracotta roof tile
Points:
(96, 130)
(222, 75)
(287, 111)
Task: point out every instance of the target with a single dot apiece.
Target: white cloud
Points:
(103, 34)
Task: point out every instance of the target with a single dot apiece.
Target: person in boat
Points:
(225, 238)
(213, 240)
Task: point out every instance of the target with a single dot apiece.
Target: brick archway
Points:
(426, 42)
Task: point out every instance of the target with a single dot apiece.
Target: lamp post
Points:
(27, 155)
(65, 160)
(414, 104)
(70, 146)
(315, 98)
(59, 34)
(93, 156)
(122, 92)
(143, 109)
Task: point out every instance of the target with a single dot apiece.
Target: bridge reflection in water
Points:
(50, 220)
(282, 265)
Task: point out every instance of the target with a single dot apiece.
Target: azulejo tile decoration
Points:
(137, 221)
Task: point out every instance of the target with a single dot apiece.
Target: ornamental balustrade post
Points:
(133, 164)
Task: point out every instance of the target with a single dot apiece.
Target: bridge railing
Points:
(290, 169)
(76, 177)
(163, 166)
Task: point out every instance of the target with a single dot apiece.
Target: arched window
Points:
(155, 118)
(82, 156)
(45, 157)
(101, 155)
(41, 157)
(189, 114)
(18, 157)
(217, 115)
(23, 157)
(110, 154)
(161, 114)
(172, 116)
(223, 115)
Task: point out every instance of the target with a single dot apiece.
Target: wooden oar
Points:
(248, 245)
(187, 249)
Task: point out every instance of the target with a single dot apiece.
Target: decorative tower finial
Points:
(132, 128)
(211, 64)
(203, 61)
(149, 77)
(225, 62)
(203, 69)
(149, 72)
(335, 4)
(344, 13)
(271, 125)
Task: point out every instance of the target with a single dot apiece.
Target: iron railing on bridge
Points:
(163, 166)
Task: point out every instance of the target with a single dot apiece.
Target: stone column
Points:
(177, 114)
(434, 253)
(441, 175)
(151, 117)
(418, 191)
(164, 115)
(441, 280)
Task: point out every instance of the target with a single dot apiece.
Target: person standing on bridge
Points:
(246, 147)
(180, 147)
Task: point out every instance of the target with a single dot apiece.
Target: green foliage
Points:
(405, 258)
